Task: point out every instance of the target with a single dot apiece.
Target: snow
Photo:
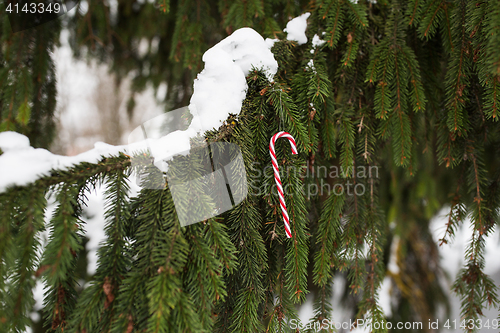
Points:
(385, 296)
(247, 49)
(94, 227)
(370, 1)
(143, 47)
(35, 316)
(356, 1)
(386, 287)
(220, 88)
(38, 295)
(21, 164)
(12, 141)
(219, 91)
(95, 222)
(296, 29)
(317, 41)
(310, 64)
(270, 42)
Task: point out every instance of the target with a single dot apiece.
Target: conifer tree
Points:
(401, 96)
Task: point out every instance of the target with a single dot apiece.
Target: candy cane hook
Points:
(277, 178)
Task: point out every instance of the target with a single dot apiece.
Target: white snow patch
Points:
(12, 141)
(84, 7)
(296, 29)
(38, 295)
(306, 309)
(26, 164)
(43, 237)
(270, 42)
(161, 93)
(317, 41)
(385, 296)
(155, 42)
(35, 316)
(310, 64)
(143, 47)
(392, 266)
(94, 227)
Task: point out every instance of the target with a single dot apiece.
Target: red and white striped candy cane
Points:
(277, 178)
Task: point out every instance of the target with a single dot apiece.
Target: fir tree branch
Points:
(98, 299)
(493, 31)
(457, 77)
(491, 99)
(430, 18)
(334, 20)
(327, 129)
(327, 231)
(457, 213)
(29, 215)
(59, 257)
(346, 140)
(6, 254)
(287, 111)
(296, 257)
(358, 13)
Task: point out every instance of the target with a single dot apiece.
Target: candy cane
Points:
(272, 152)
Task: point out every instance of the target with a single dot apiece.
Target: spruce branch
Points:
(113, 260)
(457, 77)
(326, 239)
(59, 256)
(333, 12)
(18, 294)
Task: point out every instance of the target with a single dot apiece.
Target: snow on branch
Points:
(219, 91)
